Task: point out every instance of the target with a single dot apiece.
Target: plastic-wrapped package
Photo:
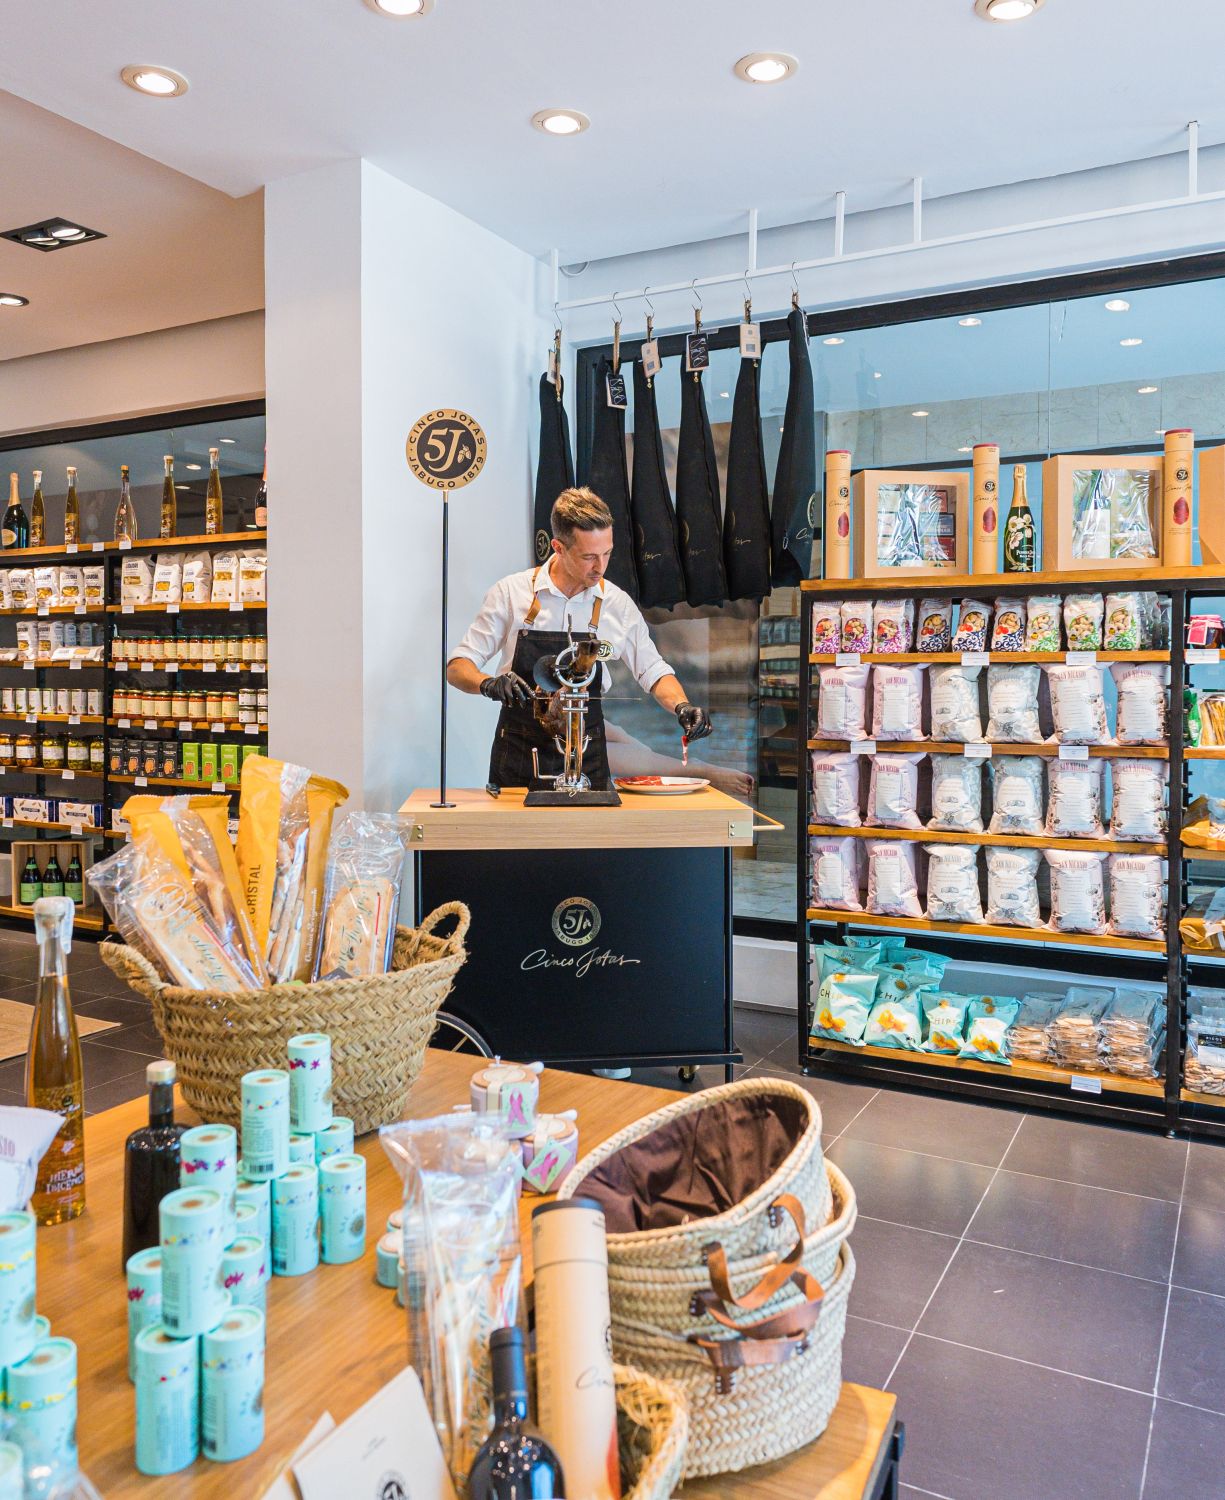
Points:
(953, 893)
(973, 625)
(895, 1023)
(897, 703)
(893, 795)
(1012, 705)
(855, 956)
(1082, 621)
(1078, 704)
(1042, 625)
(361, 895)
(1133, 1032)
(892, 625)
(1124, 628)
(1193, 720)
(273, 836)
(826, 627)
(1075, 1031)
(935, 625)
(893, 888)
(945, 1015)
(1204, 824)
(856, 617)
(955, 716)
(1074, 800)
(1138, 802)
(1012, 887)
(843, 1002)
(990, 1017)
(914, 524)
(1008, 632)
(1205, 1066)
(1078, 897)
(1029, 1036)
(1137, 895)
(915, 961)
(957, 794)
(1016, 794)
(842, 704)
(836, 873)
(1143, 707)
(836, 788)
(1202, 925)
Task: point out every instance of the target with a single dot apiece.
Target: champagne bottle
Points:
(1019, 542)
(170, 507)
(31, 884)
(125, 511)
(54, 1076)
(53, 877)
(16, 529)
(38, 513)
(72, 509)
(212, 499)
(514, 1462)
(150, 1162)
(261, 499)
(74, 881)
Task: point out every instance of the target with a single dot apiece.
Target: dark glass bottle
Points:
(150, 1162)
(53, 877)
(261, 500)
(31, 887)
(515, 1462)
(16, 529)
(74, 880)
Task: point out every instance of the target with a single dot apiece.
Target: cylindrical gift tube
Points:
(550, 1150)
(575, 1391)
(985, 556)
(395, 1220)
(17, 1334)
(193, 1298)
(1178, 469)
(509, 1090)
(144, 1271)
(836, 538)
(387, 1259)
(342, 1208)
(42, 1328)
(244, 1268)
(310, 1082)
(11, 1478)
(295, 1221)
(301, 1148)
(335, 1140)
(259, 1196)
(208, 1157)
(42, 1405)
(232, 1386)
(167, 1401)
(265, 1124)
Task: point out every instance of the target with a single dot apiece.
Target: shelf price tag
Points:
(208, 666)
(250, 728)
(219, 786)
(27, 666)
(141, 780)
(975, 658)
(236, 606)
(1085, 1085)
(233, 666)
(125, 723)
(1081, 658)
(185, 726)
(8, 822)
(172, 609)
(1202, 656)
(258, 666)
(70, 548)
(43, 611)
(76, 829)
(31, 718)
(846, 659)
(172, 666)
(146, 666)
(96, 546)
(125, 544)
(79, 609)
(978, 751)
(120, 666)
(74, 664)
(863, 747)
(74, 718)
(69, 775)
(1073, 752)
(150, 723)
(217, 728)
(127, 609)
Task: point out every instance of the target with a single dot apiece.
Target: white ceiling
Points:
(679, 148)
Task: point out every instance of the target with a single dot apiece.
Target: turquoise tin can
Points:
(310, 1082)
(265, 1124)
(17, 1331)
(144, 1272)
(295, 1221)
(387, 1260)
(259, 1196)
(244, 1269)
(12, 1479)
(42, 1328)
(342, 1208)
(232, 1386)
(167, 1401)
(336, 1140)
(301, 1148)
(42, 1408)
(193, 1298)
(208, 1157)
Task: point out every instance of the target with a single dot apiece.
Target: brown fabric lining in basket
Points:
(696, 1166)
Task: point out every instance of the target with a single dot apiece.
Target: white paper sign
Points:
(1202, 655)
(978, 751)
(1085, 1085)
(1073, 752)
(975, 658)
(847, 659)
(1081, 658)
(863, 747)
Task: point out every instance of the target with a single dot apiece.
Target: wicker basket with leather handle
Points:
(652, 1430)
(379, 1026)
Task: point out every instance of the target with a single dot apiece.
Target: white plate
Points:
(661, 786)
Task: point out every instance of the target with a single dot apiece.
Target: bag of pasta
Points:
(361, 896)
(273, 835)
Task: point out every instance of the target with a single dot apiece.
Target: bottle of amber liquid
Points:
(261, 499)
(212, 498)
(55, 1079)
(170, 507)
(125, 511)
(38, 513)
(72, 509)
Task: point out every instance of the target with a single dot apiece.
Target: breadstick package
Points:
(361, 895)
(323, 797)
(273, 829)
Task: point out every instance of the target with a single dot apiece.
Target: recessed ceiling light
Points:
(1147, 390)
(920, 414)
(11, 299)
(67, 232)
(1006, 10)
(560, 121)
(227, 440)
(1130, 343)
(160, 83)
(52, 234)
(193, 466)
(401, 10)
(834, 340)
(766, 67)
(970, 322)
(1118, 304)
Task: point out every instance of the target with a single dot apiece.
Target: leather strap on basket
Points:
(774, 1279)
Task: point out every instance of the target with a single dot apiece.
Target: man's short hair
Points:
(579, 509)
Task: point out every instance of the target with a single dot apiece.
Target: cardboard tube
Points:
(836, 538)
(986, 518)
(1178, 470)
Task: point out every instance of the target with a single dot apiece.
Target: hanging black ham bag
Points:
(795, 478)
(697, 499)
(608, 476)
(746, 511)
(661, 582)
(555, 469)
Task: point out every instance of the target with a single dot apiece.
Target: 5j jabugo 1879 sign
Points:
(446, 449)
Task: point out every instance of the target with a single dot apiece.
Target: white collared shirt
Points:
(500, 619)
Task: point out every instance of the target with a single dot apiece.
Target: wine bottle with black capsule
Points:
(151, 1160)
(1020, 542)
(514, 1462)
(261, 499)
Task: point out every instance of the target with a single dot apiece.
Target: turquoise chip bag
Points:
(842, 1005)
(987, 1035)
(895, 1023)
(945, 1014)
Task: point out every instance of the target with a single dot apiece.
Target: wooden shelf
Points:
(181, 609)
(1048, 748)
(89, 920)
(993, 840)
(49, 664)
(998, 658)
(54, 609)
(217, 539)
(1190, 851)
(198, 726)
(87, 829)
(194, 786)
(901, 581)
(73, 719)
(1204, 752)
(985, 929)
(1193, 1096)
(219, 669)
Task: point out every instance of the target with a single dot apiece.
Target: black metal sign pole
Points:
(442, 647)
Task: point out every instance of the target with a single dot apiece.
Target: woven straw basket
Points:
(379, 1026)
(652, 1430)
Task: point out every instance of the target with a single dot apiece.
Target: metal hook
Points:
(748, 299)
(557, 316)
(795, 286)
(693, 292)
(616, 308)
(650, 313)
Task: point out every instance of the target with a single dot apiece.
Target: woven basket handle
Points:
(463, 920)
(775, 1278)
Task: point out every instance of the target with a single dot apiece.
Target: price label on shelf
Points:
(1081, 658)
(975, 658)
(1203, 656)
(141, 780)
(236, 606)
(1073, 752)
(127, 609)
(219, 786)
(69, 775)
(70, 548)
(846, 659)
(125, 723)
(125, 544)
(977, 751)
(185, 726)
(150, 723)
(172, 666)
(74, 664)
(31, 718)
(120, 666)
(863, 747)
(96, 546)
(8, 822)
(208, 666)
(27, 666)
(76, 829)
(1081, 1085)
(79, 609)
(217, 728)
(146, 666)
(250, 728)
(172, 609)
(74, 718)
(258, 666)
(233, 666)
(43, 611)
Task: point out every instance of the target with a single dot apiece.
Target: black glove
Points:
(509, 690)
(695, 721)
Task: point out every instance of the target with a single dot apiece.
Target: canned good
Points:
(167, 1401)
(232, 1386)
(193, 1298)
(21, 700)
(265, 1123)
(6, 700)
(42, 1408)
(144, 1272)
(295, 1221)
(342, 1200)
(17, 1333)
(46, 698)
(61, 700)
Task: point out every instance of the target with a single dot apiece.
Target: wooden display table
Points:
(336, 1336)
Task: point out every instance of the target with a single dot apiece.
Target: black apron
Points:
(609, 477)
(697, 498)
(746, 516)
(795, 478)
(510, 761)
(555, 469)
(661, 582)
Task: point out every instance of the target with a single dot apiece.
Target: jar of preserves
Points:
(208, 648)
(52, 752)
(150, 706)
(229, 705)
(233, 648)
(195, 648)
(195, 704)
(248, 648)
(212, 707)
(97, 754)
(178, 704)
(76, 754)
(261, 648)
(6, 749)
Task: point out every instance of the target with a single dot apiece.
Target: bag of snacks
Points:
(1042, 626)
(1211, 720)
(897, 703)
(826, 627)
(1202, 925)
(1137, 895)
(893, 793)
(1075, 1034)
(892, 625)
(225, 578)
(1016, 794)
(945, 1015)
(856, 617)
(973, 626)
(1193, 727)
(835, 788)
(72, 586)
(954, 704)
(46, 587)
(1012, 887)
(253, 577)
(857, 956)
(1204, 825)
(957, 794)
(895, 1023)
(273, 829)
(1012, 704)
(136, 579)
(1138, 803)
(841, 706)
(915, 960)
(1078, 705)
(167, 580)
(893, 887)
(1132, 1032)
(1074, 800)
(94, 575)
(1008, 633)
(1029, 1036)
(361, 894)
(935, 627)
(21, 588)
(1206, 1041)
(1143, 712)
(987, 1034)
(1078, 898)
(1124, 629)
(1082, 621)
(836, 879)
(6, 594)
(952, 883)
(197, 577)
(843, 1001)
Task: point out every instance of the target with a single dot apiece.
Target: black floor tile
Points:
(937, 1127)
(758, 1033)
(13, 1074)
(1109, 1156)
(896, 1270)
(840, 1101)
(1068, 1221)
(1071, 1318)
(870, 1350)
(1206, 1177)
(142, 1036)
(130, 1011)
(104, 1064)
(1199, 1260)
(926, 1192)
(117, 1091)
(669, 1078)
(1184, 1455)
(979, 1427)
(1193, 1358)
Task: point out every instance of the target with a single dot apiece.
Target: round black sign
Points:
(446, 449)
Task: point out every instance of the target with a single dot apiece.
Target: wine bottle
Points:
(514, 1462)
(16, 529)
(31, 884)
(1020, 551)
(74, 880)
(125, 511)
(53, 877)
(150, 1162)
(54, 1076)
(170, 507)
(72, 509)
(38, 513)
(213, 511)
(261, 499)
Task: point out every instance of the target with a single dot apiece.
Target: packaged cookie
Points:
(892, 625)
(856, 622)
(953, 894)
(842, 703)
(836, 878)
(1143, 702)
(1074, 801)
(935, 625)
(893, 888)
(1016, 794)
(1078, 704)
(973, 626)
(957, 794)
(843, 1001)
(1008, 633)
(1012, 704)
(1137, 895)
(955, 715)
(1138, 800)
(987, 1031)
(1042, 623)
(1078, 898)
(945, 1015)
(1124, 629)
(835, 789)
(893, 794)
(1082, 621)
(897, 703)
(1012, 887)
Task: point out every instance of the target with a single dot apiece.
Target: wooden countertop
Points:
(699, 820)
(336, 1336)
